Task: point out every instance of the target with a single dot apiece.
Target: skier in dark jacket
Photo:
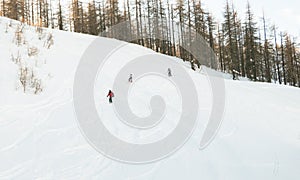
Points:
(130, 80)
(110, 95)
(170, 72)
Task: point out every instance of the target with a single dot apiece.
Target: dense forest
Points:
(245, 45)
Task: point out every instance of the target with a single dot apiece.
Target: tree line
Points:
(244, 46)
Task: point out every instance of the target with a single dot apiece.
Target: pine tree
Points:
(266, 52)
(180, 8)
(251, 45)
(92, 18)
(283, 58)
(277, 61)
(290, 60)
(60, 17)
(230, 40)
(3, 8)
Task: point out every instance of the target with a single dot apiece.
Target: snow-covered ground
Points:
(40, 137)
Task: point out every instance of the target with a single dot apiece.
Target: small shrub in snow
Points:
(16, 59)
(29, 81)
(33, 51)
(19, 38)
(23, 76)
(40, 33)
(37, 86)
(6, 28)
(49, 42)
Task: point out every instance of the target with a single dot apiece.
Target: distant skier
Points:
(130, 78)
(170, 72)
(110, 95)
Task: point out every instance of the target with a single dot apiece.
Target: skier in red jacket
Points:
(110, 95)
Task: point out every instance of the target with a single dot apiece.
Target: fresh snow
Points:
(40, 138)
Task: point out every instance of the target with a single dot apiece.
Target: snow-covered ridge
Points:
(40, 138)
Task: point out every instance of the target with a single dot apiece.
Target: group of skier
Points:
(110, 94)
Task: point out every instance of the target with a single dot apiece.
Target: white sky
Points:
(285, 13)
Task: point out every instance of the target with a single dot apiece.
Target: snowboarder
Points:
(130, 78)
(169, 72)
(110, 95)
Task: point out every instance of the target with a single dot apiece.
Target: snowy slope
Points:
(40, 138)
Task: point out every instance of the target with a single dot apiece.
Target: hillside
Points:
(40, 137)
